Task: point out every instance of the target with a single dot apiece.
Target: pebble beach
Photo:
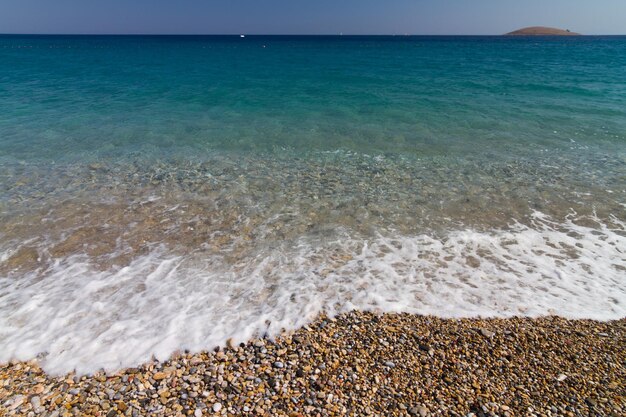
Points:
(357, 364)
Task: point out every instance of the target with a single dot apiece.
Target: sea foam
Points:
(75, 316)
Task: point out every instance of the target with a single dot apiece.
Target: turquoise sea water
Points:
(261, 180)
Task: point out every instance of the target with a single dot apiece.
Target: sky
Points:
(419, 17)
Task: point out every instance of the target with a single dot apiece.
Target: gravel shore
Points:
(359, 364)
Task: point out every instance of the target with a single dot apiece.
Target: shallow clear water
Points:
(159, 193)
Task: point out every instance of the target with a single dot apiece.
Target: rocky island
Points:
(542, 31)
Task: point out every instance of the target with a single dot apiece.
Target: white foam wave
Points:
(87, 319)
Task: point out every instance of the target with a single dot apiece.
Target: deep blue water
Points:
(73, 97)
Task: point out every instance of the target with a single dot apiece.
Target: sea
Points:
(167, 193)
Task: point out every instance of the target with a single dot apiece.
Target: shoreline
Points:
(359, 363)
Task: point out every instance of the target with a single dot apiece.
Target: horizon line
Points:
(277, 34)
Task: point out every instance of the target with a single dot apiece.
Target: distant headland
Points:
(542, 31)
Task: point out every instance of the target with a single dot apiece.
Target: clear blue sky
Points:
(309, 16)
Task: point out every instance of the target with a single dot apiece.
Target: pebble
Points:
(217, 407)
(487, 333)
(36, 403)
(230, 343)
(159, 376)
(421, 411)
